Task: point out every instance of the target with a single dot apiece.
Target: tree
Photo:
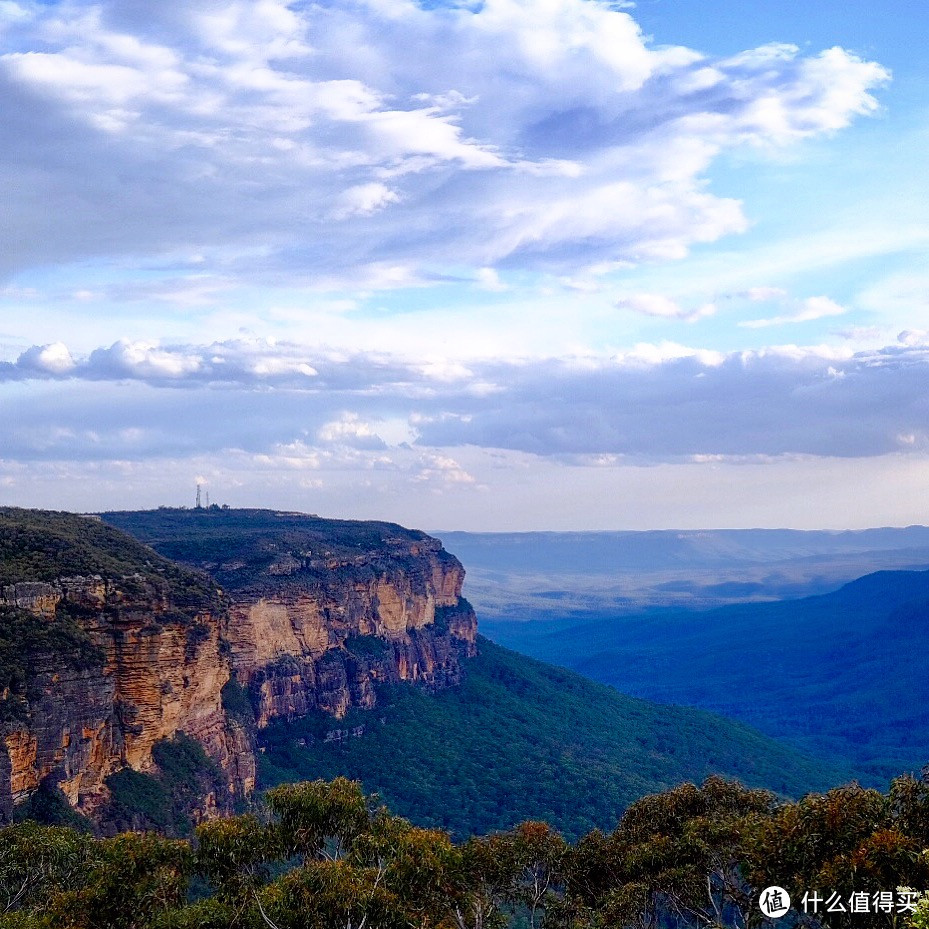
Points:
(677, 854)
(319, 818)
(38, 861)
(133, 879)
(233, 855)
(849, 840)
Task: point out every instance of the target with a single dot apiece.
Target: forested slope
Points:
(523, 740)
(843, 675)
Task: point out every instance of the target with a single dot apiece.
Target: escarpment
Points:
(324, 637)
(121, 649)
(105, 650)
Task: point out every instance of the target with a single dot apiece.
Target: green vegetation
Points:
(522, 740)
(49, 807)
(31, 645)
(366, 646)
(236, 703)
(834, 675)
(517, 741)
(167, 798)
(38, 545)
(38, 862)
(137, 801)
(239, 547)
(325, 855)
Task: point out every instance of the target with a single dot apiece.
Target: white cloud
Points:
(441, 470)
(13, 11)
(244, 361)
(822, 93)
(350, 429)
(914, 337)
(818, 308)
(364, 199)
(489, 279)
(664, 307)
(541, 134)
(54, 359)
(144, 360)
(812, 308)
(664, 402)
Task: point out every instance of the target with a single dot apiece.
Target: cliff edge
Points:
(109, 647)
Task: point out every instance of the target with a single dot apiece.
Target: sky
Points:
(511, 265)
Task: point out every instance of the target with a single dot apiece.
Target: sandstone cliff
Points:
(126, 648)
(326, 637)
(148, 671)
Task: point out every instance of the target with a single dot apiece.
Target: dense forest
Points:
(856, 655)
(518, 739)
(320, 855)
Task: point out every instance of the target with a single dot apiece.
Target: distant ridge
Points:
(517, 575)
(843, 674)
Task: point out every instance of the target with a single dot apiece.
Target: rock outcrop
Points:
(304, 615)
(154, 673)
(324, 640)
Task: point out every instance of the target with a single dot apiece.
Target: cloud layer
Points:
(178, 173)
(384, 141)
(654, 403)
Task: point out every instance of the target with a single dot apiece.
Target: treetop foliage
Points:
(323, 855)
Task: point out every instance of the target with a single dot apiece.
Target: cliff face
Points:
(154, 674)
(311, 617)
(323, 640)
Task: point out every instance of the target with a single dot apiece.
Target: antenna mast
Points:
(198, 496)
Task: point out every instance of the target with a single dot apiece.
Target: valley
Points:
(240, 649)
(841, 674)
(308, 705)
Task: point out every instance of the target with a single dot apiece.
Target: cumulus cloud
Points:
(46, 360)
(350, 429)
(653, 403)
(254, 361)
(441, 470)
(307, 140)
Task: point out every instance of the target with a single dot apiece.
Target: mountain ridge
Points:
(516, 576)
(316, 620)
(840, 674)
(162, 657)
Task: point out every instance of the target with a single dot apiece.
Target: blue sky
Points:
(514, 265)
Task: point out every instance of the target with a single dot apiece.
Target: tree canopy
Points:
(322, 854)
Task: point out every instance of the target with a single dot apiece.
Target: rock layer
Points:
(325, 639)
(157, 674)
(309, 631)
